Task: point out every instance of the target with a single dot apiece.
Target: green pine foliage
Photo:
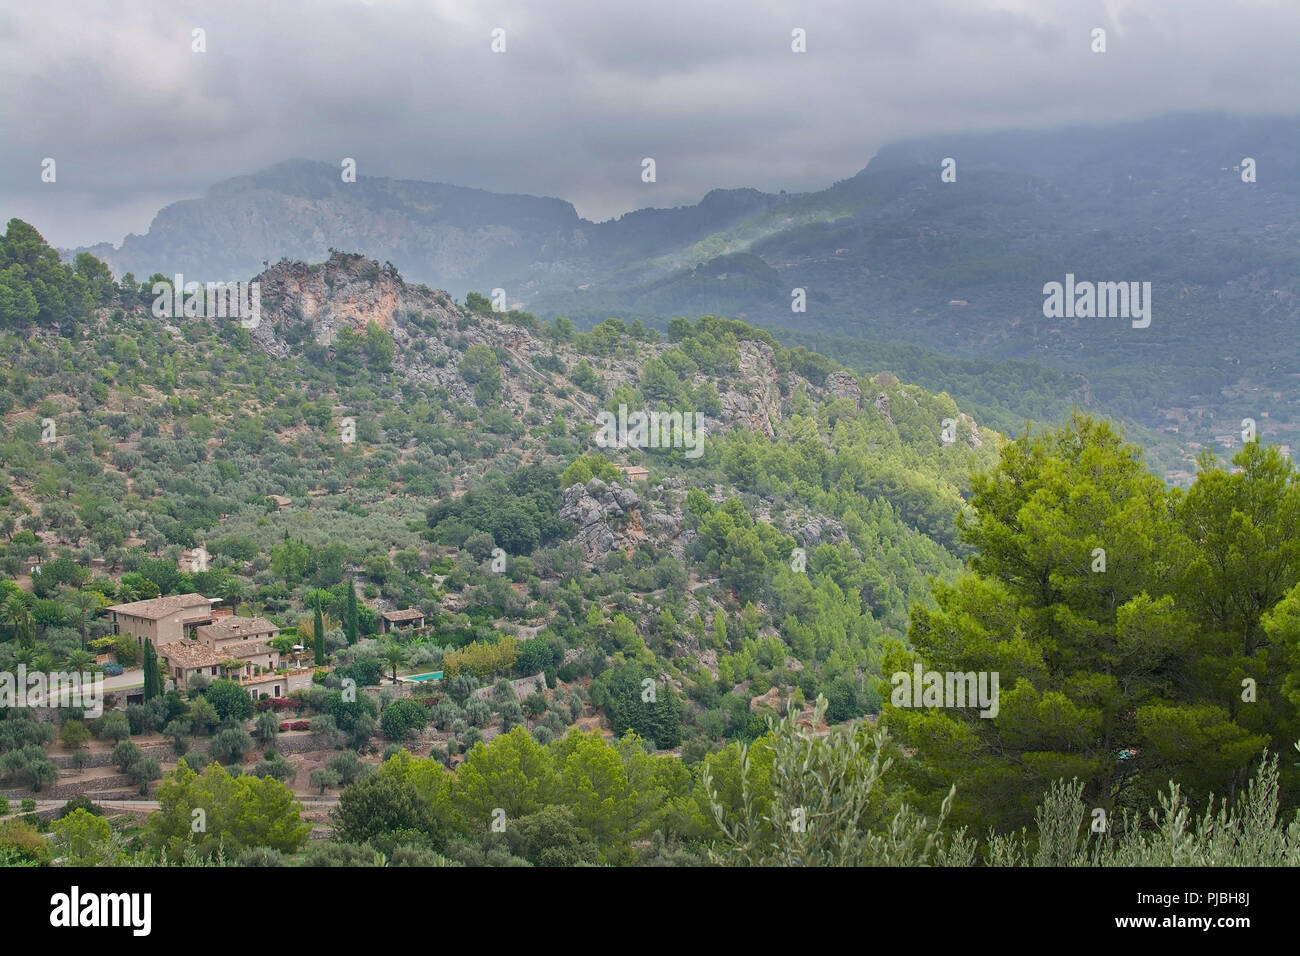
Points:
(1172, 660)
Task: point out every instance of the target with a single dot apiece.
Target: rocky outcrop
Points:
(345, 291)
(591, 507)
(882, 406)
(812, 530)
(753, 399)
(610, 517)
(844, 385)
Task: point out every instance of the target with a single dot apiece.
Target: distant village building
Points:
(635, 472)
(392, 620)
(280, 501)
(194, 561)
(163, 620)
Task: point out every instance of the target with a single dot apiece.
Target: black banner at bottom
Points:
(1153, 904)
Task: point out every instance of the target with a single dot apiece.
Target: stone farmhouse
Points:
(162, 620)
(237, 648)
(191, 639)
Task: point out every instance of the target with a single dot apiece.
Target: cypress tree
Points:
(351, 617)
(153, 685)
(318, 635)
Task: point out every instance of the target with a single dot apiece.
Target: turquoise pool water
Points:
(432, 675)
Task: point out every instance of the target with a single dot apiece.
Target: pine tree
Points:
(318, 635)
(1093, 594)
(719, 631)
(351, 618)
(153, 685)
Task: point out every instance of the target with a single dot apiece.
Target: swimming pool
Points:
(420, 678)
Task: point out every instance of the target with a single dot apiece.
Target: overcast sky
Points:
(411, 88)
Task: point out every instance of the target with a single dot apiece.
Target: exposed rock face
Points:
(812, 530)
(609, 518)
(844, 385)
(754, 400)
(351, 291)
(342, 291)
(590, 515)
(882, 406)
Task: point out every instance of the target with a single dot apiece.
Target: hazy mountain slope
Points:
(820, 508)
(891, 254)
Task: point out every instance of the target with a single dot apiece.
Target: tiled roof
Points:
(189, 656)
(410, 614)
(226, 628)
(158, 608)
(248, 649)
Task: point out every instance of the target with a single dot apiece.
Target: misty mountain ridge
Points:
(1168, 152)
(890, 255)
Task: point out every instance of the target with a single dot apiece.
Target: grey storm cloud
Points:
(135, 119)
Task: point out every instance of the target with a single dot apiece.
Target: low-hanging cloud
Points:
(713, 92)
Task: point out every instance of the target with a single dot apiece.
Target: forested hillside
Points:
(370, 445)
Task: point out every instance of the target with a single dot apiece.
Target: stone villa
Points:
(162, 620)
(237, 648)
(191, 639)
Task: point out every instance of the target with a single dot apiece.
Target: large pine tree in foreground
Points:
(1141, 634)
